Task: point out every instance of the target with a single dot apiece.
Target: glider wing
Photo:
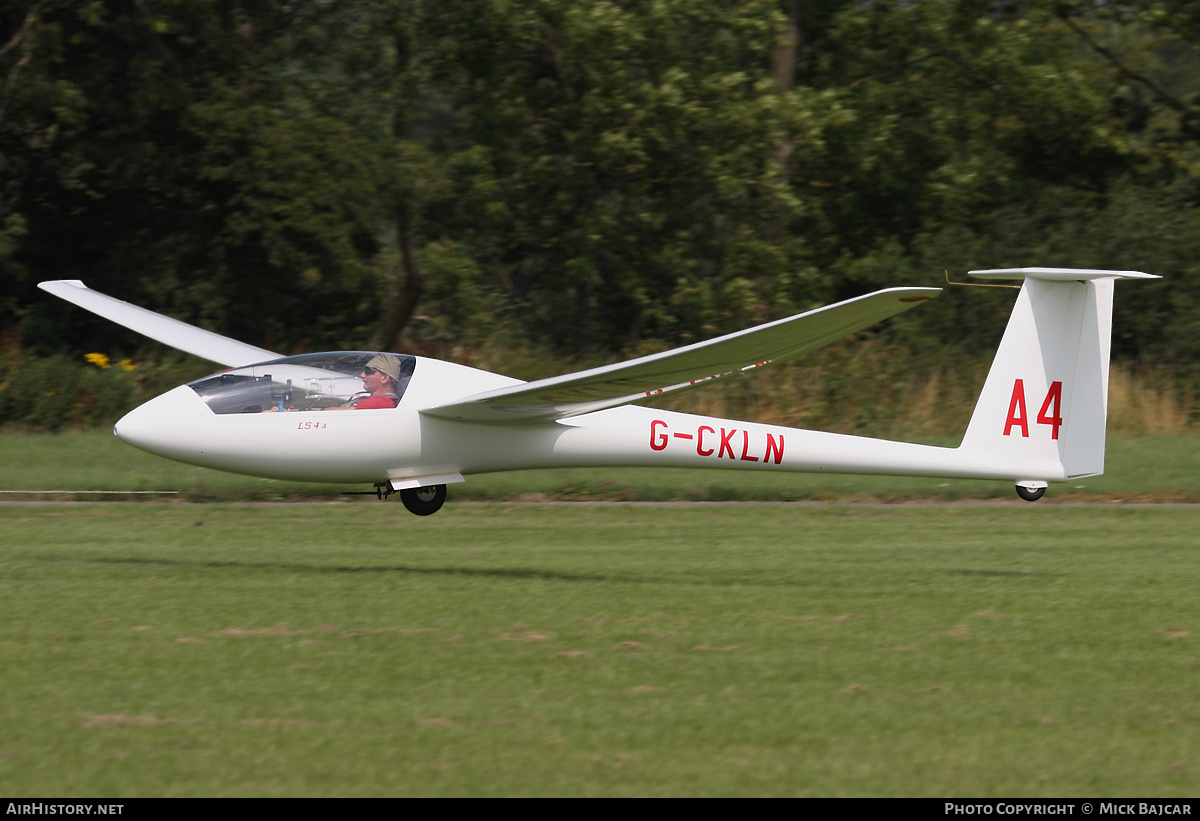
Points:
(611, 385)
(185, 337)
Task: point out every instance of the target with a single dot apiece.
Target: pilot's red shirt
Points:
(371, 402)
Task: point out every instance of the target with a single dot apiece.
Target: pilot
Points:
(381, 380)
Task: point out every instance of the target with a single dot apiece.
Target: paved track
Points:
(171, 497)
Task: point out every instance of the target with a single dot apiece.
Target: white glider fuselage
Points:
(403, 446)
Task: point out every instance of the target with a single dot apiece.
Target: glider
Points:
(418, 424)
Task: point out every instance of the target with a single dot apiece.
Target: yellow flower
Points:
(127, 364)
(98, 359)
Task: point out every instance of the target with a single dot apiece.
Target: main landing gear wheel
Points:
(424, 500)
(1031, 494)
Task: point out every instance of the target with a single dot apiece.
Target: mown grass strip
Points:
(352, 649)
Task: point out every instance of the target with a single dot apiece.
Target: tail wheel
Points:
(1031, 494)
(424, 500)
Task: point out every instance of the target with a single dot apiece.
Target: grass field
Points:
(514, 649)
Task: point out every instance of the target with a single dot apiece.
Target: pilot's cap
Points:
(386, 364)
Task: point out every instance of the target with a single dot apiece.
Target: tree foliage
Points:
(602, 176)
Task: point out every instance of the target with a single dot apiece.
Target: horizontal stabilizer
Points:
(164, 329)
(612, 385)
(1060, 274)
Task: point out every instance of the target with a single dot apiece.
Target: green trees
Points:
(617, 166)
(172, 153)
(597, 176)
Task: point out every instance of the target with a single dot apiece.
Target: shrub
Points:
(52, 392)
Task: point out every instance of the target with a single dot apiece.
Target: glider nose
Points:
(166, 425)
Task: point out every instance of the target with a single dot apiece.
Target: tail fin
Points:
(1044, 406)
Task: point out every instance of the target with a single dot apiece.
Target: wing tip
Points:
(915, 293)
(49, 285)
